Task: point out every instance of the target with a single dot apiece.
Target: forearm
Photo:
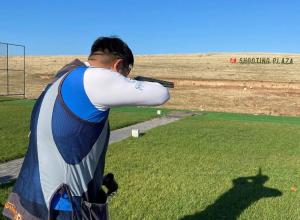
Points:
(110, 89)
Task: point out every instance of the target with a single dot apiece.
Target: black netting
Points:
(12, 69)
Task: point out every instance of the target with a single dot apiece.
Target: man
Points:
(63, 169)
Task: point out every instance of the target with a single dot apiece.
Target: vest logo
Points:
(11, 207)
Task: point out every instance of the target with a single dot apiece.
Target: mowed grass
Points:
(15, 118)
(208, 167)
(212, 166)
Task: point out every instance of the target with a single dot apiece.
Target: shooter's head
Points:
(112, 53)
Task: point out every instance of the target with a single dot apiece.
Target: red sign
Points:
(232, 60)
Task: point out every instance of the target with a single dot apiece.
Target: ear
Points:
(117, 65)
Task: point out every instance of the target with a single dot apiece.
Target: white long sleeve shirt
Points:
(104, 88)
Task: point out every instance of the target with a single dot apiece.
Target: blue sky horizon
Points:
(153, 27)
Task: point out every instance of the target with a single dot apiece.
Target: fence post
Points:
(24, 84)
(7, 84)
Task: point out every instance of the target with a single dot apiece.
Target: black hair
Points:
(113, 46)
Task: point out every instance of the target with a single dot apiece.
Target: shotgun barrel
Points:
(149, 79)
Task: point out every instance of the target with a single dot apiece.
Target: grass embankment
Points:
(15, 117)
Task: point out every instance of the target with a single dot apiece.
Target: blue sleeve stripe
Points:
(76, 99)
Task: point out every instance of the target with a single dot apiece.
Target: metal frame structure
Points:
(7, 69)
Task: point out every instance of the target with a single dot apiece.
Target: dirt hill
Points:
(205, 81)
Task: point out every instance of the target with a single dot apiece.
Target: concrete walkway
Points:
(10, 170)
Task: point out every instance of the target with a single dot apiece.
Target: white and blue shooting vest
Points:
(66, 153)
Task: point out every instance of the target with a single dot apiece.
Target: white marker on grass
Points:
(135, 133)
(158, 112)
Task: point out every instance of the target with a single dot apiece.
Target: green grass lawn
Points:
(15, 117)
(207, 167)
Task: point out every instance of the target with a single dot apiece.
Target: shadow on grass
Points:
(244, 192)
(142, 134)
(7, 100)
(6, 179)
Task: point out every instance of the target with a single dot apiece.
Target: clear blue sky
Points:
(59, 27)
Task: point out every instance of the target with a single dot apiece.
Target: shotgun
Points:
(167, 84)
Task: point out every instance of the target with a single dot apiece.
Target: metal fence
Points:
(12, 69)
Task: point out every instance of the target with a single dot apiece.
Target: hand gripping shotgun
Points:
(111, 186)
(167, 84)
